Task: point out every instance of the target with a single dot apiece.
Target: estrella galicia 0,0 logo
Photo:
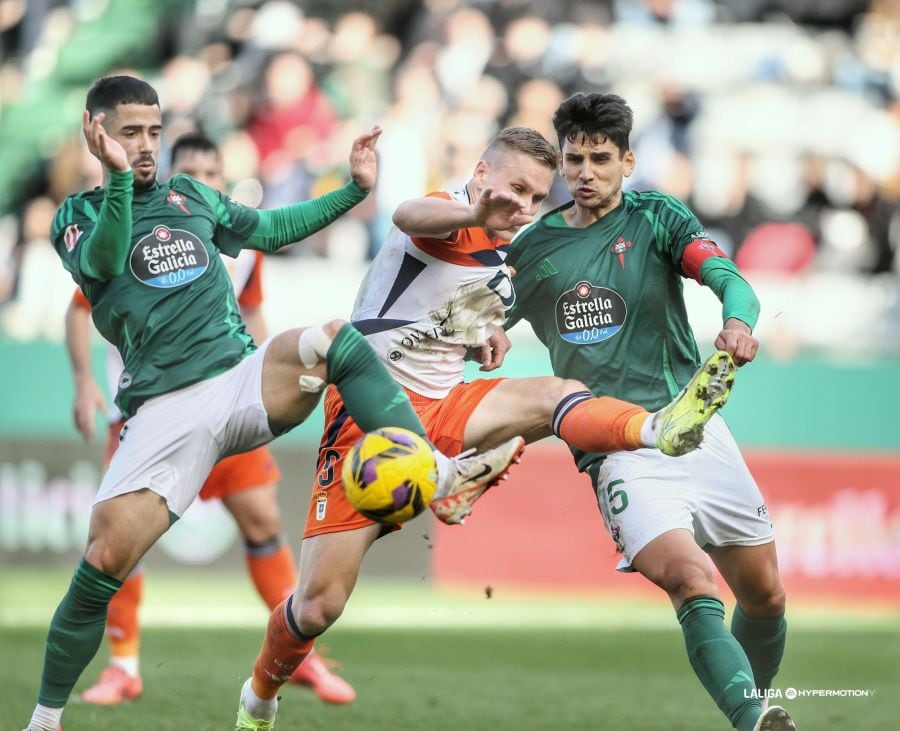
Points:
(587, 314)
(169, 257)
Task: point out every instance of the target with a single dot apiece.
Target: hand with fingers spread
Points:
(735, 339)
(363, 161)
(109, 152)
(500, 211)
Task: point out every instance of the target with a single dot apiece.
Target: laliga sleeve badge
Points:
(321, 504)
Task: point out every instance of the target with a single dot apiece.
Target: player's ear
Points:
(481, 171)
(629, 162)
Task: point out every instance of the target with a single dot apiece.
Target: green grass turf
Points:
(455, 679)
(430, 660)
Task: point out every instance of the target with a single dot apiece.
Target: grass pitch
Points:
(540, 664)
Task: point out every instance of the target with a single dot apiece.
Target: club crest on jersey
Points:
(619, 248)
(177, 200)
(168, 257)
(71, 236)
(587, 314)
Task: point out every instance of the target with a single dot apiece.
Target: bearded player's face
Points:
(137, 128)
(594, 169)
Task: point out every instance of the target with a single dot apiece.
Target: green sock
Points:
(763, 640)
(373, 399)
(76, 632)
(719, 661)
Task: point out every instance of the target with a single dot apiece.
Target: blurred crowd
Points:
(777, 121)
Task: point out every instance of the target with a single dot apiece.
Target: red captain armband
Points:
(697, 252)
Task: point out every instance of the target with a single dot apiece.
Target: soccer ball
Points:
(390, 475)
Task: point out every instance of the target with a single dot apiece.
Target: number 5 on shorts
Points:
(613, 496)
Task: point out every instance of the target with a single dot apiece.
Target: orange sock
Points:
(282, 651)
(272, 568)
(603, 424)
(122, 618)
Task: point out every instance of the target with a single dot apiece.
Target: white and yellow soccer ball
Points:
(390, 475)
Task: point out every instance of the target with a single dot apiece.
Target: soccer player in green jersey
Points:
(599, 279)
(195, 388)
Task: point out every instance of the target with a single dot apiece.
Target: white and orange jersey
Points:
(423, 302)
(246, 276)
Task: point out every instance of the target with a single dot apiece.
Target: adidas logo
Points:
(739, 677)
(546, 271)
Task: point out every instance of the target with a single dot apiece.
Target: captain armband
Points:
(697, 252)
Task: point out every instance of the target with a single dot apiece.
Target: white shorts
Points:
(710, 492)
(173, 441)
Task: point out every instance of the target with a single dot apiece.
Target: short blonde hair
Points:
(527, 141)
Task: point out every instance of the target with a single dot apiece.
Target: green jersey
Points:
(606, 300)
(171, 310)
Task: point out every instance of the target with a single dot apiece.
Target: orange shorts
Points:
(239, 472)
(444, 420)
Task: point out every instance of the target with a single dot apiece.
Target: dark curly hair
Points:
(598, 116)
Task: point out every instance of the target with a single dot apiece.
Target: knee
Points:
(683, 583)
(556, 389)
(766, 602)
(259, 521)
(261, 528)
(103, 557)
(317, 613)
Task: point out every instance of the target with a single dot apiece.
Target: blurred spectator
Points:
(778, 120)
(294, 115)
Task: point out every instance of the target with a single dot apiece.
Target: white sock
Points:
(258, 708)
(444, 471)
(45, 719)
(128, 663)
(648, 430)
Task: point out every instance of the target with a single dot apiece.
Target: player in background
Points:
(437, 287)
(246, 483)
(599, 279)
(195, 388)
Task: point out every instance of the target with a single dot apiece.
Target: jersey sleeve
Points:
(252, 293)
(72, 227)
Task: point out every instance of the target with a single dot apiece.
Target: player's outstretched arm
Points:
(440, 218)
(88, 395)
(279, 227)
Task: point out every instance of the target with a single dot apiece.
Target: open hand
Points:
(363, 161)
(500, 212)
(107, 150)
